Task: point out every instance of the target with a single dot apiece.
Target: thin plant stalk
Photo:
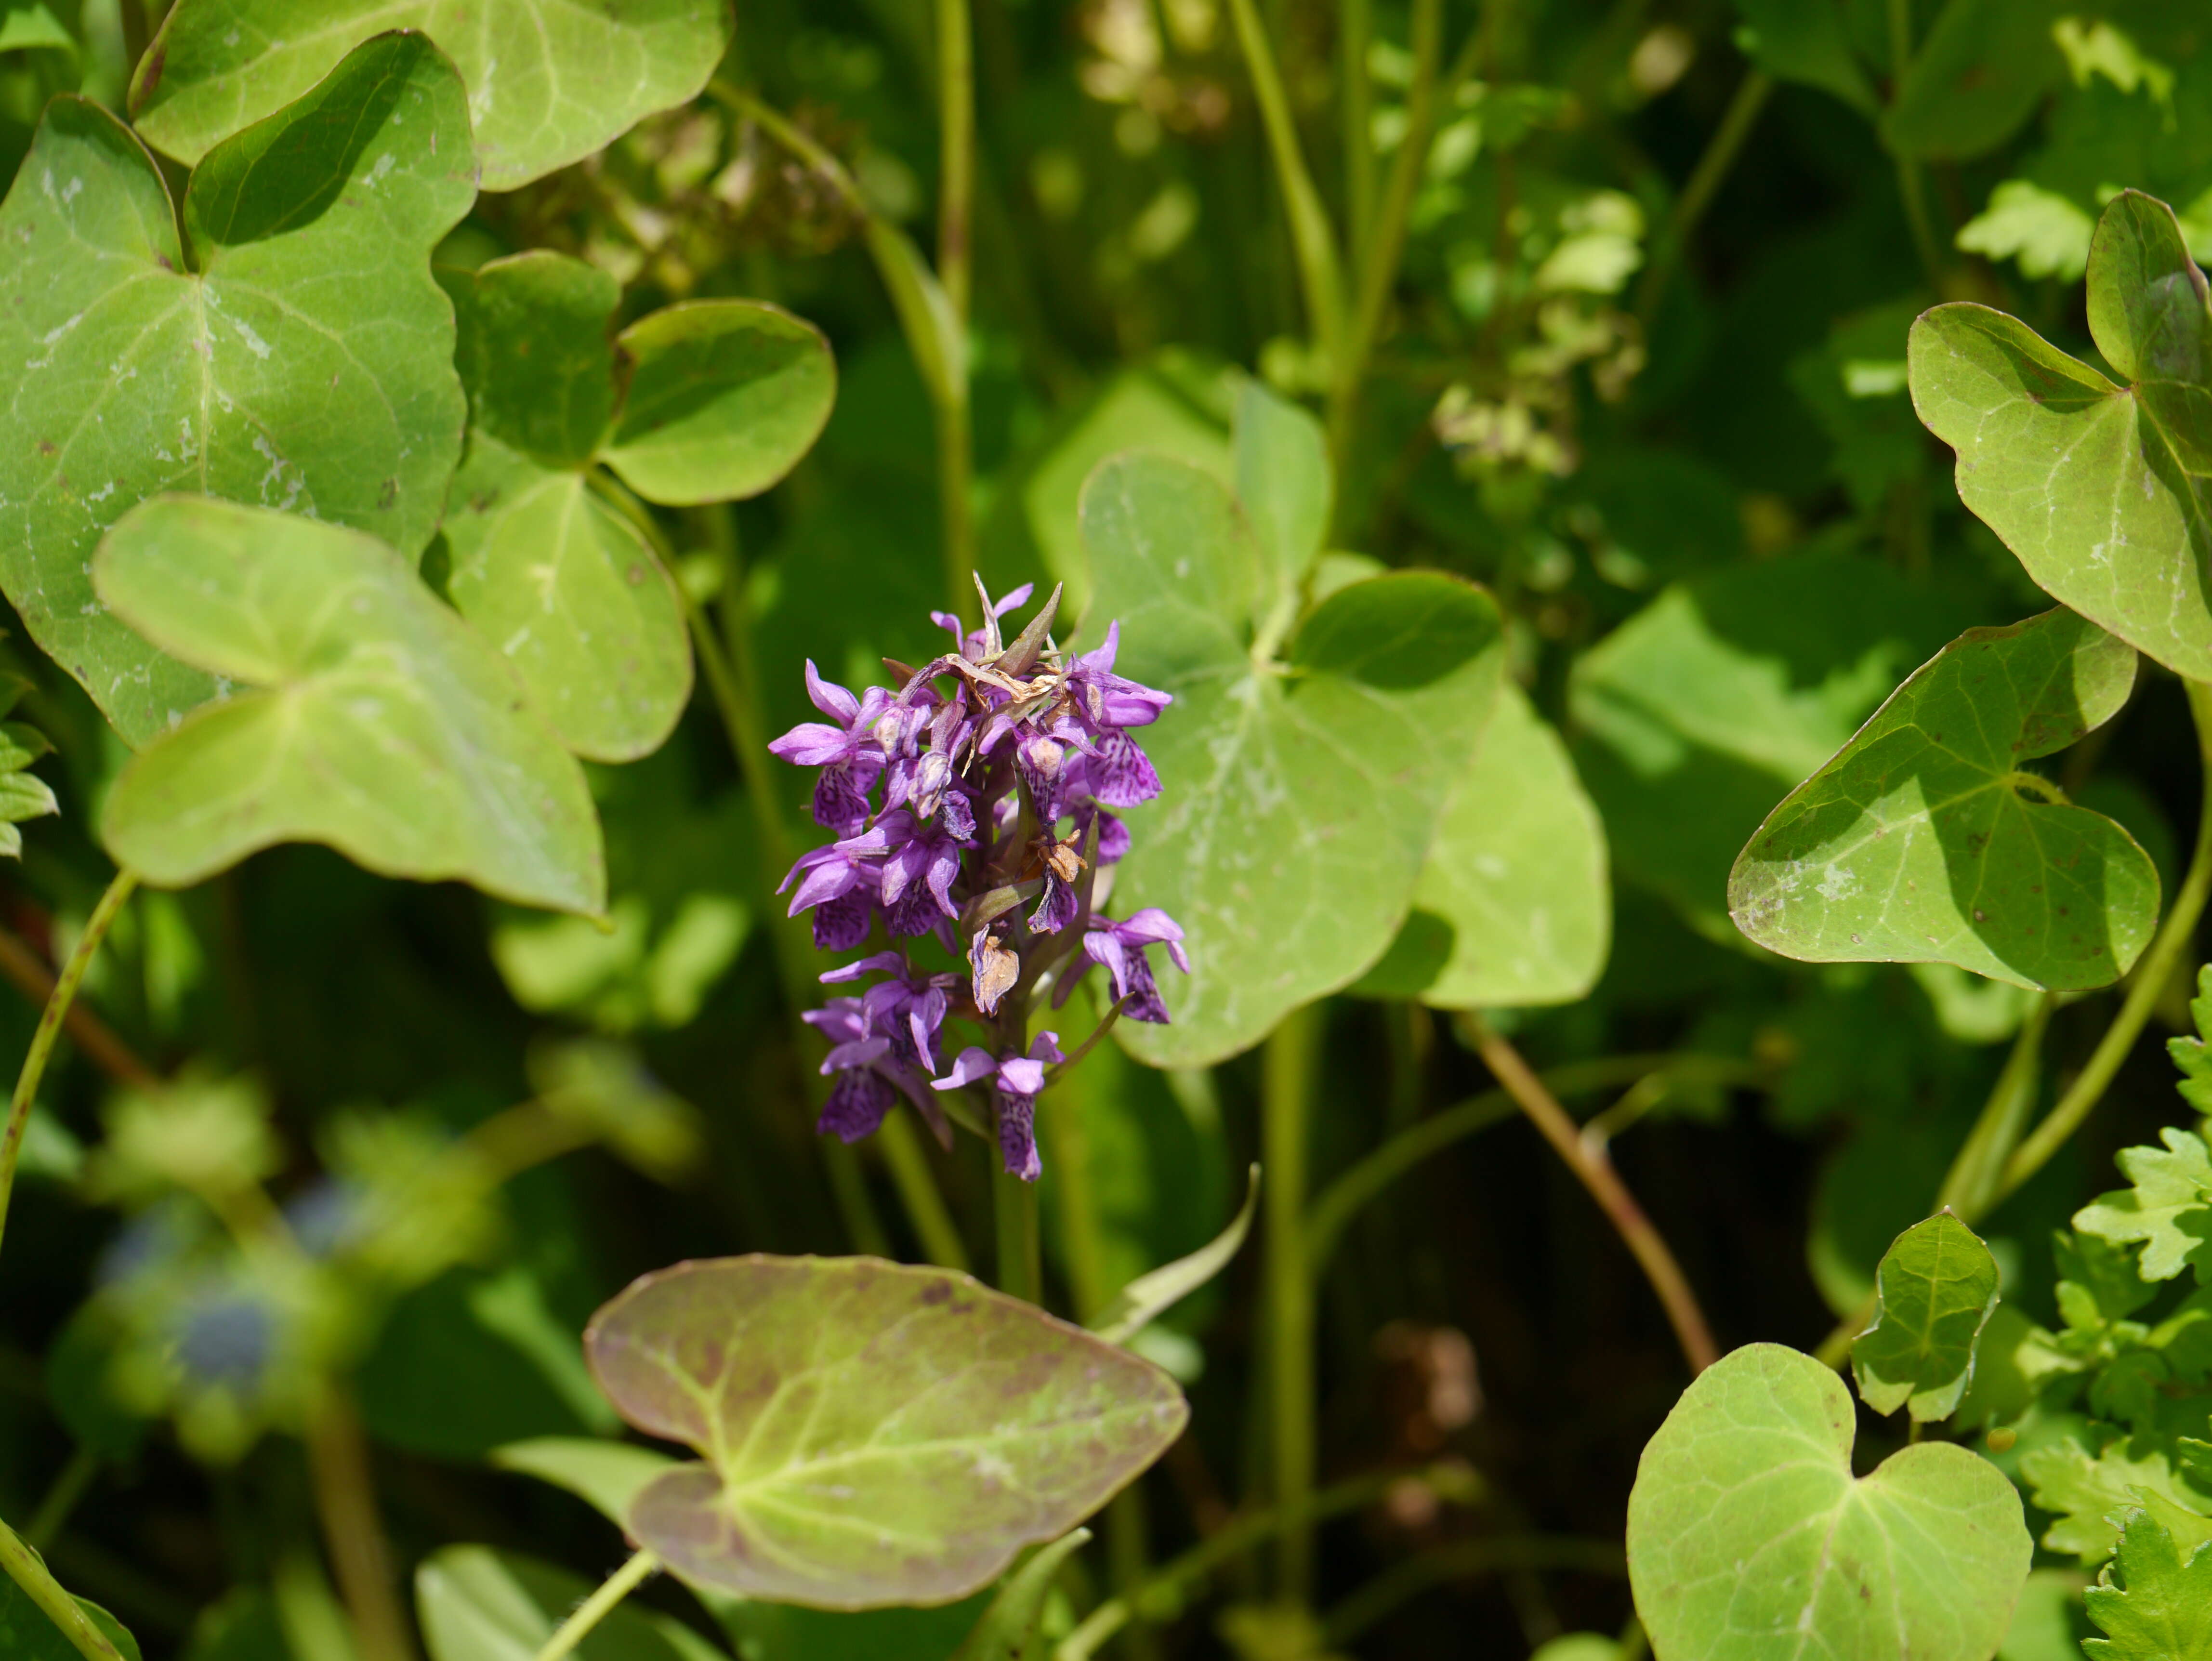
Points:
(352, 1530)
(1287, 1068)
(2175, 938)
(1704, 181)
(1336, 1206)
(1355, 32)
(1158, 1595)
(50, 1025)
(1490, 1555)
(1974, 1174)
(1911, 188)
(956, 151)
(907, 1161)
(1014, 1218)
(27, 1570)
(1597, 1175)
(22, 968)
(594, 1609)
(1313, 240)
(62, 1498)
(1385, 244)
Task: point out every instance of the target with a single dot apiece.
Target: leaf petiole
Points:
(594, 1609)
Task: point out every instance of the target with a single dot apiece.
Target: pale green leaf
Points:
(873, 1433)
(2158, 1606)
(533, 349)
(2168, 1209)
(2046, 232)
(1150, 1296)
(288, 347)
(550, 81)
(1935, 1289)
(1748, 1537)
(380, 722)
(34, 28)
(1975, 77)
(1514, 906)
(603, 1088)
(1300, 796)
(1694, 717)
(560, 581)
(479, 1604)
(2097, 487)
(1010, 1624)
(723, 398)
(1921, 840)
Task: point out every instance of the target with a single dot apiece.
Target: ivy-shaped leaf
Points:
(2158, 1606)
(2098, 488)
(710, 401)
(1748, 1537)
(550, 81)
(1923, 841)
(872, 1434)
(2167, 1209)
(285, 346)
(1301, 791)
(1514, 906)
(1935, 1292)
(379, 722)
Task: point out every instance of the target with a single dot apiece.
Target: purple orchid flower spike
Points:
(871, 1077)
(845, 748)
(1016, 1082)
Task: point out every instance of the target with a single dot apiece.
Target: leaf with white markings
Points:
(285, 346)
(550, 81)
(1921, 840)
(2101, 489)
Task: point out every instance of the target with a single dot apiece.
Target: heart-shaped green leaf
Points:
(479, 1604)
(381, 723)
(550, 81)
(1935, 1291)
(1284, 485)
(723, 398)
(287, 348)
(1922, 842)
(1748, 1537)
(720, 400)
(1301, 794)
(2100, 490)
(1514, 907)
(872, 1434)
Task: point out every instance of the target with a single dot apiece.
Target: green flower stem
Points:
(735, 687)
(1404, 1581)
(353, 1529)
(908, 1160)
(1973, 1177)
(27, 973)
(955, 166)
(1159, 1598)
(1321, 273)
(1335, 1206)
(1721, 152)
(2175, 938)
(1014, 1215)
(1385, 244)
(1911, 189)
(29, 1570)
(1355, 32)
(1288, 1064)
(1597, 1175)
(50, 1025)
(594, 1609)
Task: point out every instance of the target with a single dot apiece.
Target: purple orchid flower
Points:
(1120, 948)
(870, 1075)
(840, 882)
(1016, 1081)
(908, 1009)
(846, 748)
(920, 864)
(1105, 701)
